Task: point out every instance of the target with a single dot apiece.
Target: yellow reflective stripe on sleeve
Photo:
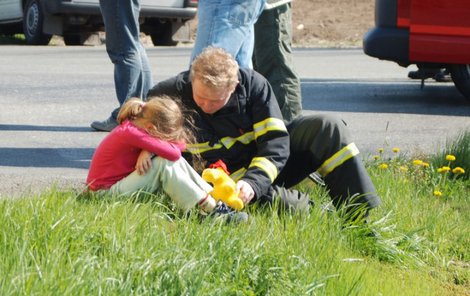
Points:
(267, 125)
(338, 159)
(264, 164)
(237, 175)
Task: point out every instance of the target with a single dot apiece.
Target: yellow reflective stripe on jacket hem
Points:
(237, 175)
(246, 138)
(338, 159)
(267, 125)
(264, 164)
(226, 142)
(201, 147)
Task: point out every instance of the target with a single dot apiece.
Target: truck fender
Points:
(52, 24)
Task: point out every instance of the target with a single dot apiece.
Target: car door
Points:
(10, 11)
(163, 3)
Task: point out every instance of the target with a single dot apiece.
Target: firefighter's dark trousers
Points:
(322, 143)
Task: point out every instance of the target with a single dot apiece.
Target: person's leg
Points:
(286, 198)
(273, 58)
(132, 73)
(228, 24)
(147, 79)
(206, 15)
(177, 179)
(322, 142)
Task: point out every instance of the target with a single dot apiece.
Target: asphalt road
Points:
(49, 95)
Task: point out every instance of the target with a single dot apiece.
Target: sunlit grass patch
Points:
(14, 39)
(71, 243)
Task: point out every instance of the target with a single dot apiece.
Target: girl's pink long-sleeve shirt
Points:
(116, 156)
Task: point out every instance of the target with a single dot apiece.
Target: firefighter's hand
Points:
(144, 162)
(246, 193)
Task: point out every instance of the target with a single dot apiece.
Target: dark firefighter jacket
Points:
(248, 133)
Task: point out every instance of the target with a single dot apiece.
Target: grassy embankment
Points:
(58, 244)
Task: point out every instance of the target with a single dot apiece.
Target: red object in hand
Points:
(219, 164)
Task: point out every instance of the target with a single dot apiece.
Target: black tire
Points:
(461, 77)
(76, 38)
(33, 20)
(163, 35)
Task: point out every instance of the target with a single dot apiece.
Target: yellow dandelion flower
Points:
(425, 164)
(395, 150)
(380, 150)
(376, 157)
(450, 157)
(383, 166)
(458, 171)
(403, 168)
(417, 162)
(444, 169)
(437, 193)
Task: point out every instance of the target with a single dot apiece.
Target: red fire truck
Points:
(433, 34)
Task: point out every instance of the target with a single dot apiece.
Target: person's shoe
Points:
(443, 76)
(106, 125)
(440, 75)
(223, 213)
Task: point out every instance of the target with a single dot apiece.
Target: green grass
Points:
(61, 243)
(13, 40)
(459, 147)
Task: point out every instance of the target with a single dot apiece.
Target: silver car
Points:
(166, 21)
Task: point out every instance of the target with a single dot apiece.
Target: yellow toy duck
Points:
(224, 187)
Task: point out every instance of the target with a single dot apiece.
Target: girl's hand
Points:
(144, 162)
(246, 191)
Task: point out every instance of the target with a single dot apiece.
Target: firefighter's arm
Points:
(271, 136)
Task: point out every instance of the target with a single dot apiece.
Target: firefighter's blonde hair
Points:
(215, 68)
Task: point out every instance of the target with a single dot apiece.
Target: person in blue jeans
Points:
(258, 35)
(132, 72)
(229, 25)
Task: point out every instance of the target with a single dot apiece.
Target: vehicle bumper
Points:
(390, 44)
(61, 7)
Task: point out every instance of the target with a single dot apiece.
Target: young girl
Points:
(122, 162)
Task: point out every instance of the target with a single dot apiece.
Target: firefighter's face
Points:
(208, 99)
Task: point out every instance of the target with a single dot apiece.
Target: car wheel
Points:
(32, 24)
(461, 77)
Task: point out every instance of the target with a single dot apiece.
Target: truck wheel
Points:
(75, 39)
(163, 35)
(461, 77)
(32, 24)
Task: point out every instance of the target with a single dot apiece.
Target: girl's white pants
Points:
(176, 178)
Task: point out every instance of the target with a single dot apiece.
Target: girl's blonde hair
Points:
(164, 113)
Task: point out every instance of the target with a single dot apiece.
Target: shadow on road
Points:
(383, 97)
(46, 157)
(49, 128)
